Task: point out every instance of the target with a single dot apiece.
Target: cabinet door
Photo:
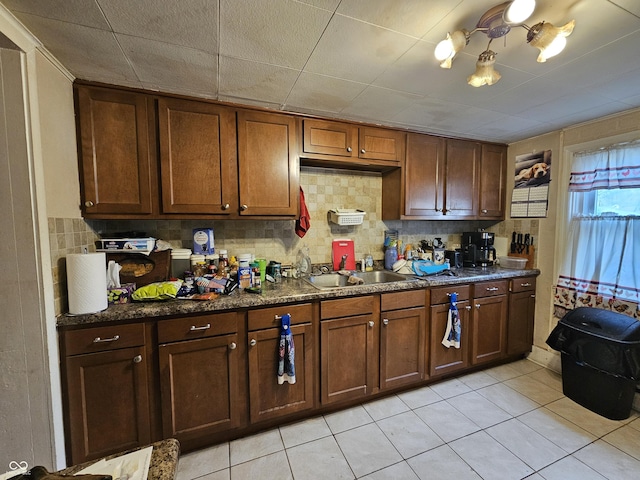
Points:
(329, 138)
(492, 174)
(348, 357)
(522, 304)
(402, 346)
(108, 403)
(442, 359)
(461, 177)
(424, 176)
(116, 158)
(268, 164)
(381, 144)
(488, 329)
(197, 157)
(199, 387)
(267, 398)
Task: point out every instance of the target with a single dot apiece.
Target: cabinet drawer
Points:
(489, 289)
(524, 284)
(397, 300)
(266, 317)
(100, 339)
(441, 294)
(200, 326)
(346, 307)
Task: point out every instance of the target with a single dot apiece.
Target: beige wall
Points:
(552, 230)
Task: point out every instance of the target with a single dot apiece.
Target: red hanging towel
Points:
(304, 222)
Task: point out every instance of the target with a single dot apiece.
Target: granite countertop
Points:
(288, 291)
(163, 465)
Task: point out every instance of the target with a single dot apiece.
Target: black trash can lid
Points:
(603, 323)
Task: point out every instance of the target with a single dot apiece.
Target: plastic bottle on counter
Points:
(390, 256)
(223, 263)
(244, 271)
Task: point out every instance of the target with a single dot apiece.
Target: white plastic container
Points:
(180, 261)
(513, 262)
(244, 271)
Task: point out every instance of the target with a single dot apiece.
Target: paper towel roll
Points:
(86, 282)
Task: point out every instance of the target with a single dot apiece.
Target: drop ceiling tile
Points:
(501, 128)
(379, 103)
(82, 12)
(324, 4)
(630, 5)
(279, 32)
(619, 87)
(88, 53)
(585, 115)
(189, 23)
(411, 17)
(170, 67)
(431, 113)
(322, 93)
(356, 51)
(581, 103)
(243, 79)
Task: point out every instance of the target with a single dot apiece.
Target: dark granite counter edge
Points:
(289, 291)
(163, 464)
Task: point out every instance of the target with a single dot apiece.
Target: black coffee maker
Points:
(478, 249)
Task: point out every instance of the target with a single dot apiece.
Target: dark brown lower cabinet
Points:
(267, 398)
(402, 338)
(107, 391)
(199, 376)
(349, 352)
(489, 322)
(522, 304)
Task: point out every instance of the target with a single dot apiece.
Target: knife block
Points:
(529, 256)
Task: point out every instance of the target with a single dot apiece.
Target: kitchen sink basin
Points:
(336, 280)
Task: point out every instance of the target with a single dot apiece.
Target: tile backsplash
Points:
(324, 189)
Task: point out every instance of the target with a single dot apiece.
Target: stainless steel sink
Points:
(336, 280)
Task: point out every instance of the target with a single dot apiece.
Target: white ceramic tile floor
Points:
(508, 422)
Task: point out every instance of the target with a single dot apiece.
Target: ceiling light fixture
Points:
(496, 23)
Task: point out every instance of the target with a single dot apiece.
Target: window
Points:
(601, 264)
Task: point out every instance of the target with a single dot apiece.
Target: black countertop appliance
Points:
(478, 249)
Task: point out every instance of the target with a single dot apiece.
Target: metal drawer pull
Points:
(492, 289)
(454, 293)
(253, 342)
(533, 295)
(478, 306)
(106, 340)
(371, 323)
(525, 284)
(204, 327)
(468, 307)
(233, 346)
(385, 321)
(278, 317)
(137, 359)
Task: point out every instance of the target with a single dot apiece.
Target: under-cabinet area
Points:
(208, 376)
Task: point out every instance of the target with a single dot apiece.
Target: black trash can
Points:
(600, 352)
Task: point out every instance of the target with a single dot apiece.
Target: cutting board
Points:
(340, 247)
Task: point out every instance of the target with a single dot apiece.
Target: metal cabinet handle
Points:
(525, 284)
(106, 340)
(478, 306)
(371, 323)
(468, 307)
(452, 293)
(233, 345)
(533, 295)
(492, 289)
(363, 151)
(88, 203)
(484, 210)
(226, 206)
(204, 327)
(253, 342)
(349, 149)
(243, 207)
(385, 321)
(137, 359)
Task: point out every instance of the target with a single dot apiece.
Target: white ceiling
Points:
(365, 60)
